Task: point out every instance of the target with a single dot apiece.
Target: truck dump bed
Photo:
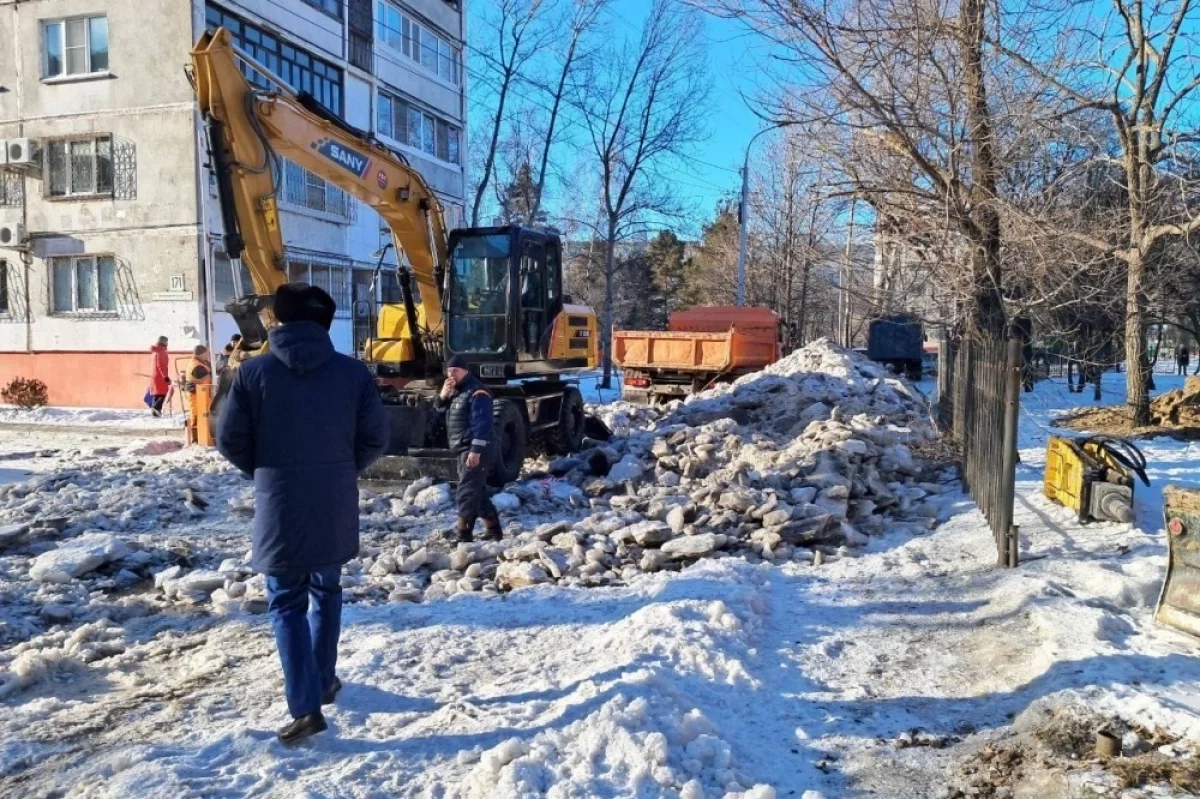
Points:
(709, 340)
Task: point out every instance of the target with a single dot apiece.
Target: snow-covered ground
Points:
(139, 419)
(878, 672)
(589, 386)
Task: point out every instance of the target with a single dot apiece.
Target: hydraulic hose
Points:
(1121, 450)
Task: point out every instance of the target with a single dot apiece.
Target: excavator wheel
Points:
(567, 435)
(512, 433)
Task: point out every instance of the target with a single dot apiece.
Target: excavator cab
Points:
(505, 308)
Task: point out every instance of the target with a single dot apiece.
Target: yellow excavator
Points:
(493, 295)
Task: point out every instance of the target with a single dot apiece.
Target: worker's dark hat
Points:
(457, 362)
(300, 302)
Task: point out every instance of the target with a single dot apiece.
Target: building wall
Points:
(163, 227)
(150, 225)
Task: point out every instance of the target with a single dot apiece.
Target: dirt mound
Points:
(1176, 414)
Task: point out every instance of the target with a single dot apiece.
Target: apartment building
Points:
(109, 231)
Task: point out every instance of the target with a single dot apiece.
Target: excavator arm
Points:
(248, 129)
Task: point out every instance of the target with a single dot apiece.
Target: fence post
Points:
(1006, 544)
(945, 398)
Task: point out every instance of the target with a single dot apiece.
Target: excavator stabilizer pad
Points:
(1179, 602)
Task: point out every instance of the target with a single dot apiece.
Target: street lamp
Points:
(744, 212)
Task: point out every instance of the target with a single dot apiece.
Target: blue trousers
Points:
(306, 612)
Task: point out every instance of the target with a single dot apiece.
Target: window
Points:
(222, 277)
(12, 189)
(79, 167)
(301, 71)
(76, 46)
(409, 125)
(3, 286)
(331, 7)
(479, 294)
(416, 41)
(304, 189)
(84, 283)
(332, 276)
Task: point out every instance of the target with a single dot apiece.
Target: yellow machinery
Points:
(1094, 476)
(1179, 602)
(492, 294)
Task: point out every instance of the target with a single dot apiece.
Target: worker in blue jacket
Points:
(468, 406)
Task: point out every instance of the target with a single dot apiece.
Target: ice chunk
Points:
(77, 556)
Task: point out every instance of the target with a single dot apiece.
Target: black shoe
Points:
(492, 529)
(303, 727)
(464, 533)
(331, 692)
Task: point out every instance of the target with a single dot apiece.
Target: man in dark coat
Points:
(304, 421)
(468, 406)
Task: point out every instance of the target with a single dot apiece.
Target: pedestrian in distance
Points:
(197, 373)
(199, 369)
(304, 421)
(1182, 359)
(221, 362)
(468, 406)
(160, 377)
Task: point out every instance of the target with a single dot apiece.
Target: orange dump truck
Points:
(700, 347)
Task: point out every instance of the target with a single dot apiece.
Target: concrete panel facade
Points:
(159, 223)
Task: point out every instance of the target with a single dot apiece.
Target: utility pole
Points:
(844, 309)
(744, 214)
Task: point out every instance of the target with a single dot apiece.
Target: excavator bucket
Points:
(1179, 602)
(438, 464)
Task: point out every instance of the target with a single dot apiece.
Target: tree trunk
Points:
(988, 314)
(606, 331)
(558, 96)
(1137, 377)
(481, 189)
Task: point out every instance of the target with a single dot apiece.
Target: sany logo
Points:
(343, 157)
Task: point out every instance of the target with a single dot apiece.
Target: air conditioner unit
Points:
(23, 153)
(12, 236)
(3, 152)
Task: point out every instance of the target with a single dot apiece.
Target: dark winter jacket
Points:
(304, 420)
(469, 416)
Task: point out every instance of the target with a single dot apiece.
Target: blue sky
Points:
(713, 172)
(731, 66)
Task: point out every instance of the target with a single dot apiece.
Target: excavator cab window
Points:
(533, 298)
(479, 294)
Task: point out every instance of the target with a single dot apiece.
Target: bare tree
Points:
(641, 105)
(1139, 66)
(519, 36)
(790, 222)
(583, 19)
(906, 81)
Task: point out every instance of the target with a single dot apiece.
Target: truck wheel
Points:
(512, 434)
(567, 436)
(913, 371)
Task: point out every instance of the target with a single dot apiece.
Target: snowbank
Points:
(90, 417)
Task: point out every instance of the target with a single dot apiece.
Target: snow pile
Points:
(128, 419)
(645, 740)
(811, 454)
(801, 461)
(34, 660)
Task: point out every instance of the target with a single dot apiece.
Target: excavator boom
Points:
(248, 128)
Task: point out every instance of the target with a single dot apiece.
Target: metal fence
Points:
(979, 394)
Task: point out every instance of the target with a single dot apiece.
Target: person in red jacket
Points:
(160, 376)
